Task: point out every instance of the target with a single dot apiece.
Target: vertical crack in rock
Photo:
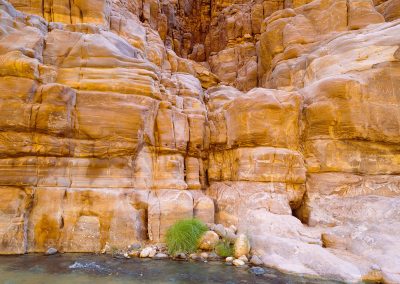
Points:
(28, 208)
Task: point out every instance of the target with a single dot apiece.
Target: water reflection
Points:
(98, 269)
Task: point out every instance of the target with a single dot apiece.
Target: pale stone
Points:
(244, 258)
(238, 262)
(241, 246)
(51, 251)
(146, 252)
(152, 253)
(160, 256)
(204, 255)
(291, 255)
(256, 260)
(208, 240)
(193, 256)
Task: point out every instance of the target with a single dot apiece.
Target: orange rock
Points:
(119, 118)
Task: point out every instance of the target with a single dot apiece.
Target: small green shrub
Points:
(184, 236)
(224, 248)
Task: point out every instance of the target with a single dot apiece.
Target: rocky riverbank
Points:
(239, 255)
(88, 268)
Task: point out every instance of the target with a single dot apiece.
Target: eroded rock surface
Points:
(280, 118)
(98, 142)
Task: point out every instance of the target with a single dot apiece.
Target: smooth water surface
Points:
(98, 269)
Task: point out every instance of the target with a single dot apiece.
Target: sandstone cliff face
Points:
(91, 127)
(279, 117)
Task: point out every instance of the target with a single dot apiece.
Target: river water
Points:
(99, 269)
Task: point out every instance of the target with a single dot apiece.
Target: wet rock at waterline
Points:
(51, 251)
(238, 262)
(204, 256)
(182, 256)
(84, 268)
(257, 270)
(160, 256)
(148, 252)
(214, 256)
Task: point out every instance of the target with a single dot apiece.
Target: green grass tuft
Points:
(224, 249)
(184, 236)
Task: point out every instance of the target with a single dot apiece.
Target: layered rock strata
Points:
(278, 117)
(98, 143)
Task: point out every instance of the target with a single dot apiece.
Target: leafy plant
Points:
(224, 248)
(184, 236)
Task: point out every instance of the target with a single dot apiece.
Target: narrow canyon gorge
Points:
(280, 117)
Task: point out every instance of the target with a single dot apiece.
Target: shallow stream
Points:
(98, 269)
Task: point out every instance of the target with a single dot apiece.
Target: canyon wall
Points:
(279, 117)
